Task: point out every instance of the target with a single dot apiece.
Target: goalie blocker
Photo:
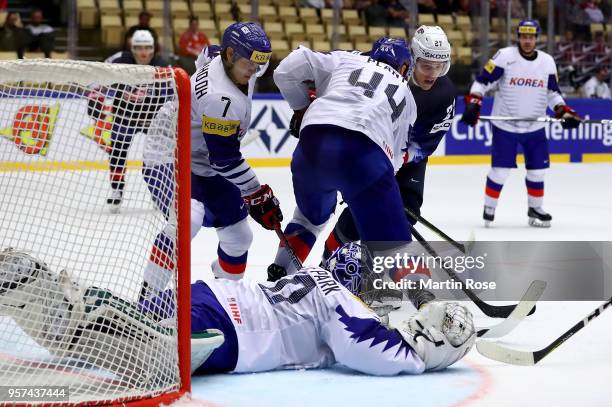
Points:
(90, 323)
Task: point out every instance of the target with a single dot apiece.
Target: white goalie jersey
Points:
(309, 320)
(347, 96)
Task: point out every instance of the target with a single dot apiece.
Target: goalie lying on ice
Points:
(307, 320)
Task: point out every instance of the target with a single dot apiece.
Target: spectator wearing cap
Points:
(596, 87)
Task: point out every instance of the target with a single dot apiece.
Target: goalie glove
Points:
(441, 333)
(571, 120)
(264, 207)
(471, 114)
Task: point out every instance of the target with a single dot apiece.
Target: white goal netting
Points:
(88, 204)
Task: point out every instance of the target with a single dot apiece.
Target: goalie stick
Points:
(503, 354)
(543, 119)
(494, 311)
(531, 296)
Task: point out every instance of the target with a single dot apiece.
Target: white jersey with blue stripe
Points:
(220, 117)
(523, 88)
(354, 92)
(309, 320)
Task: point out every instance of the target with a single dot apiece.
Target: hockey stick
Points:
(543, 119)
(494, 311)
(531, 296)
(503, 354)
(294, 258)
(433, 228)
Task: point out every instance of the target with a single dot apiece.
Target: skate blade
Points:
(536, 223)
(487, 223)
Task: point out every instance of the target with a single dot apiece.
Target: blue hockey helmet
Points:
(528, 27)
(393, 52)
(249, 41)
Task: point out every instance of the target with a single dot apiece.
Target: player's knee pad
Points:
(536, 175)
(498, 174)
(235, 239)
(197, 217)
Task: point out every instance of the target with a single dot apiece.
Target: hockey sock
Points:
(158, 270)
(234, 243)
(535, 188)
(334, 241)
(495, 182)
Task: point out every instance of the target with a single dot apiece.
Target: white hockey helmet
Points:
(142, 38)
(431, 44)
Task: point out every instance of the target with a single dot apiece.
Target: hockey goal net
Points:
(72, 134)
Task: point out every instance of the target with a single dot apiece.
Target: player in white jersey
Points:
(224, 187)
(308, 320)
(525, 81)
(353, 137)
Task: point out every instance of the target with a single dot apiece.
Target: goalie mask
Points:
(431, 51)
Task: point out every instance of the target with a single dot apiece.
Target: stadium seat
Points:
(112, 31)
(351, 17)
(327, 15)
(464, 23)
(288, 14)
(295, 31)
(345, 45)
(357, 33)
(8, 55)
(464, 55)
(267, 13)
(363, 46)
(427, 19)
(88, 14)
(397, 32)
(296, 43)
(202, 10)
(109, 8)
(446, 21)
(376, 32)
(315, 32)
(274, 30)
(309, 15)
(180, 9)
(132, 7)
(156, 7)
(455, 38)
(340, 31)
(222, 11)
(283, 3)
(223, 24)
(280, 48)
(157, 23)
(321, 46)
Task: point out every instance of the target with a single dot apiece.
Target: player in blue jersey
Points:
(311, 319)
(525, 81)
(352, 140)
(224, 188)
(133, 109)
(434, 94)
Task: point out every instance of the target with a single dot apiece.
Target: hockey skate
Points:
(539, 218)
(114, 201)
(488, 215)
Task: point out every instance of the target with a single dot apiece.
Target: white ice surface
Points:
(576, 374)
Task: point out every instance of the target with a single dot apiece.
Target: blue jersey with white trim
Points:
(309, 320)
(220, 116)
(523, 87)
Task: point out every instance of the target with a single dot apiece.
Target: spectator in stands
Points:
(39, 36)
(144, 21)
(596, 87)
(191, 44)
(12, 36)
(396, 14)
(376, 14)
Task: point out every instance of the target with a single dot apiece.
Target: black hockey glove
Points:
(296, 122)
(471, 114)
(264, 207)
(571, 120)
